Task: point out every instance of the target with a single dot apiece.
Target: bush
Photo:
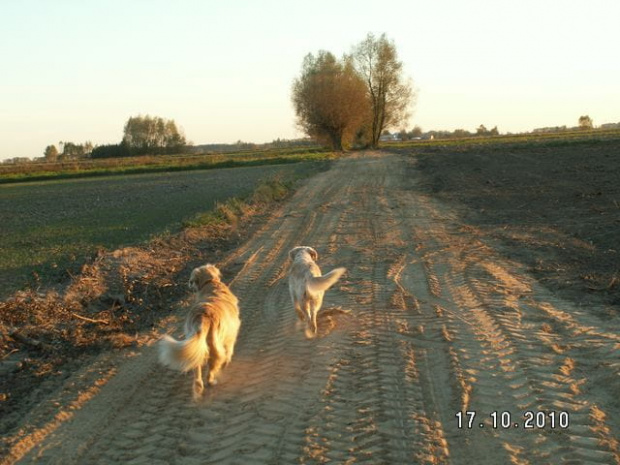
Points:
(111, 151)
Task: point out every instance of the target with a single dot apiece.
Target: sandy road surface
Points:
(428, 322)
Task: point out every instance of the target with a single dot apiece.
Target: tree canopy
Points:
(389, 94)
(51, 153)
(356, 97)
(585, 122)
(152, 134)
(329, 99)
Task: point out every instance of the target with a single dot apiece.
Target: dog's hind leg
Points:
(215, 365)
(229, 350)
(300, 313)
(217, 357)
(301, 317)
(311, 326)
(199, 385)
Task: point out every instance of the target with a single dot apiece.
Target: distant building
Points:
(16, 160)
(610, 126)
(389, 137)
(550, 129)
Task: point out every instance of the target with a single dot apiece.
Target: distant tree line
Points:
(68, 151)
(141, 135)
(352, 100)
(584, 123)
(144, 135)
(240, 145)
(112, 151)
(417, 133)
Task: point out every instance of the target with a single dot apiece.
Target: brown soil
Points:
(556, 209)
(439, 313)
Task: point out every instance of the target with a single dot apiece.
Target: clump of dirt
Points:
(119, 299)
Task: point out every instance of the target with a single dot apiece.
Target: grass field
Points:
(81, 168)
(50, 228)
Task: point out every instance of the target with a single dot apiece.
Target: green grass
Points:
(229, 212)
(51, 228)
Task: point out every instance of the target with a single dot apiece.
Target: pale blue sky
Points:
(76, 70)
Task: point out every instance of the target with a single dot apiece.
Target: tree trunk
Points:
(336, 139)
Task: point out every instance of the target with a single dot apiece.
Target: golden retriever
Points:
(211, 329)
(307, 286)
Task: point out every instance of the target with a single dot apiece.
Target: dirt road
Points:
(430, 321)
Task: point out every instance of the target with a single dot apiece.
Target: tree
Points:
(415, 132)
(585, 122)
(71, 150)
(111, 151)
(146, 134)
(483, 131)
(389, 94)
(330, 99)
(460, 133)
(51, 153)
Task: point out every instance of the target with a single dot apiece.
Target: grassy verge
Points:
(230, 212)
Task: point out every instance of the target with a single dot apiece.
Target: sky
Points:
(76, 70)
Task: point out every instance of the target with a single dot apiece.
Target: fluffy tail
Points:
(183, 355)
(322, 283)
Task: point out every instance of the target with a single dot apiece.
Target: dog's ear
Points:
(313, 253)
(293, 252)
(193, 280)
(214, 271)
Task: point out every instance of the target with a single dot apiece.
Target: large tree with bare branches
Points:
(389, 93)
(330, 99)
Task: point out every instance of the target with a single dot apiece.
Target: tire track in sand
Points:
(429, 321)
(505, 354)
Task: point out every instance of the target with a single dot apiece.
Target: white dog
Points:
(211, 329)
(307, 286)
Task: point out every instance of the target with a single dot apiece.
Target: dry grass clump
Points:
(227, 214)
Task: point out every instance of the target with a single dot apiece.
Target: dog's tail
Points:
(322, 283)
(187, 354)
